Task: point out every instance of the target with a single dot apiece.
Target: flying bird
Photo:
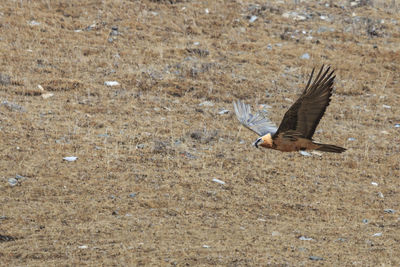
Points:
(300, 121)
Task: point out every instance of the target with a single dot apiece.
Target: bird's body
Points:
(300, 121)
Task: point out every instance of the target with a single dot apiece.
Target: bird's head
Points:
(265, 141)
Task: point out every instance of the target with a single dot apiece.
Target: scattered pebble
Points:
(70, 159)
(397, 125)
(218, 181)
(253, 18)
(140, 146)
(12, 181)
(374, 184)
(111, 83)
(83, 247)
(224, 111)
(33, 23)
(206, 104)
(351, 139)
(380, 195)
(47, 95)
(365, 221)
(132, 195)
(305, 153)
(206, 246)
(206, 11)
(377, 234)
(391, 211)
(293, 15)
(316, 258)
(305, 56)
(386, 106)
(303, 238)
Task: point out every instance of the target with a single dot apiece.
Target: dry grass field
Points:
(141, 192)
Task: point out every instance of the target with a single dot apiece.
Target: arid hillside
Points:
(119, 145)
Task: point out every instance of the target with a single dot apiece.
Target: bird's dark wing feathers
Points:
(305, 114)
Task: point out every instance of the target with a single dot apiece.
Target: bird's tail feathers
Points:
(330, 148)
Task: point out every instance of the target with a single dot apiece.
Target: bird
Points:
(299, 123)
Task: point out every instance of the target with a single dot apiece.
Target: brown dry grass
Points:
(150, 136)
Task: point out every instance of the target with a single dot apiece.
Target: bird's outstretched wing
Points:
(305, 114)
(257, 123)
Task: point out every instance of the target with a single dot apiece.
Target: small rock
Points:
(70, 159)
(391, 211)
(111, 83)
(305, 153)
(377, 234)
(12, 181)
(293, 15)
(83, 247)
(33, 23)
(386, 106)
(224, 111)
(397, 125)
(132, 195)
(19, 177)
(380, 195)
(218, 181)
(206, 104)
(253, 18)
(303, 238)
(351, 139)
(365, 221)
(140, 146)
(316, 258)
(47, 95)
(305, 56)
(374, 184)
(206, 246)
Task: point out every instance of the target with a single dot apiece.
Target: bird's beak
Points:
(257, 141)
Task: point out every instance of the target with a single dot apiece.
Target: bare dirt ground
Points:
(141, 191)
